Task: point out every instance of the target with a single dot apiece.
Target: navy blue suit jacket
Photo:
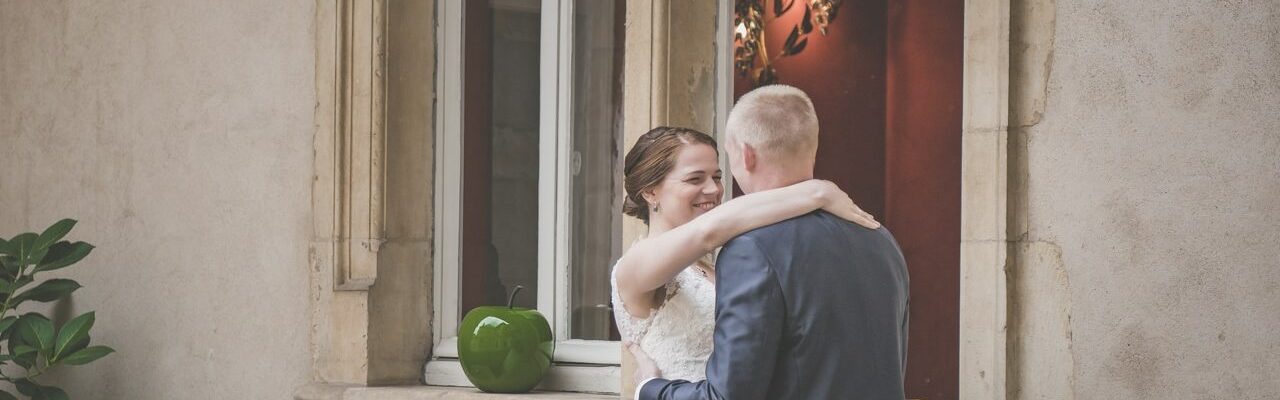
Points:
(814, 307)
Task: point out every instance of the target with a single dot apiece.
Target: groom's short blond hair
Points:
(776, 120)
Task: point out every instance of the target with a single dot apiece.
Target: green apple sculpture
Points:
(505, 349)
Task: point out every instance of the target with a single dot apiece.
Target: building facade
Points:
(276, 189)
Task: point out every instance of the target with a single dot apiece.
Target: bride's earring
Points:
(657, 207)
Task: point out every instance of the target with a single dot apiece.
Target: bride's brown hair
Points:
(649, 162)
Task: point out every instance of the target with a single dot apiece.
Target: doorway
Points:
(886, 80)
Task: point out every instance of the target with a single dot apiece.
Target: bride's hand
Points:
(837, 202)
(645, 367)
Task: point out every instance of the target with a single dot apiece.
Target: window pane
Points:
(596, 186)
(500, 163)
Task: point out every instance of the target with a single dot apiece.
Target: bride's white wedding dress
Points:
(676, 335)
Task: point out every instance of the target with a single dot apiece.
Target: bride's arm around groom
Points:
(748, 331)
(810, 308)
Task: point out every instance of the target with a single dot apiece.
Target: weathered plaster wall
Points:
(179, 134)
(691, 64)
(1144, 158)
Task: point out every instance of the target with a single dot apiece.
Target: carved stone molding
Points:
(372, 191)
(343, 187)
(359, 143)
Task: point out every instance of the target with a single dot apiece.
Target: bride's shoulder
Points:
(616, 272)
(621, 263)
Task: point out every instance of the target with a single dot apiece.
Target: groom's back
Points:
(845, 289)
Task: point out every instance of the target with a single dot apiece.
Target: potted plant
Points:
(31, 341)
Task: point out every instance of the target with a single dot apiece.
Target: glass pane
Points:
(597, 142)
(500, 162)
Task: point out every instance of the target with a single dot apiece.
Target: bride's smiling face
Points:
(692, 188)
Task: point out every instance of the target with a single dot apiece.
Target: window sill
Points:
(356, 392)
(443, 372)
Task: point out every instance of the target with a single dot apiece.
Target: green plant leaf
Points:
(38, 391)
(20, 247)
(15, 334)
(56, 252)
(43, 329)
(26, 387)
(6, 396)
(36, 255)
(87, 355)
(75, 346)
(54, 233)
(34, 330)
(47, 291)
(27, 361)
(7, 288)
(8, 259)
(7, 323)
(73, 331)
(9, 264)
(23, 349)
(22, 335)
(62, 254)
(22, 332)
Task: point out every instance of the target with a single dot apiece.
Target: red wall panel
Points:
(922, 176)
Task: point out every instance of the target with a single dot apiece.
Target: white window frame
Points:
(580, 365)
(724, 86)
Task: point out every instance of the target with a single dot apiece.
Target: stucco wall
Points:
(1145, 151)
(179, 134)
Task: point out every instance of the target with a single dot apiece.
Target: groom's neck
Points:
(773, 179)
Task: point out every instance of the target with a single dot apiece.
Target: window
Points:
(529, 185)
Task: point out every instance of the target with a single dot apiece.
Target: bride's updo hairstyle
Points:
(649, 162)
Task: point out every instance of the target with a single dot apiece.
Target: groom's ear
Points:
(749, 157)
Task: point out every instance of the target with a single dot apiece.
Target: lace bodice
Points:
(677, 335)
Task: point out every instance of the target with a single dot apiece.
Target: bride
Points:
(664, 285)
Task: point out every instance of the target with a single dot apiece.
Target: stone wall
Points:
(1143, 160)
(179, 134)
(1144, 157)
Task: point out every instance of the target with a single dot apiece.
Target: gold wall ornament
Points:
(751, 55)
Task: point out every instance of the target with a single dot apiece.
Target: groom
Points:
(814, 307)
